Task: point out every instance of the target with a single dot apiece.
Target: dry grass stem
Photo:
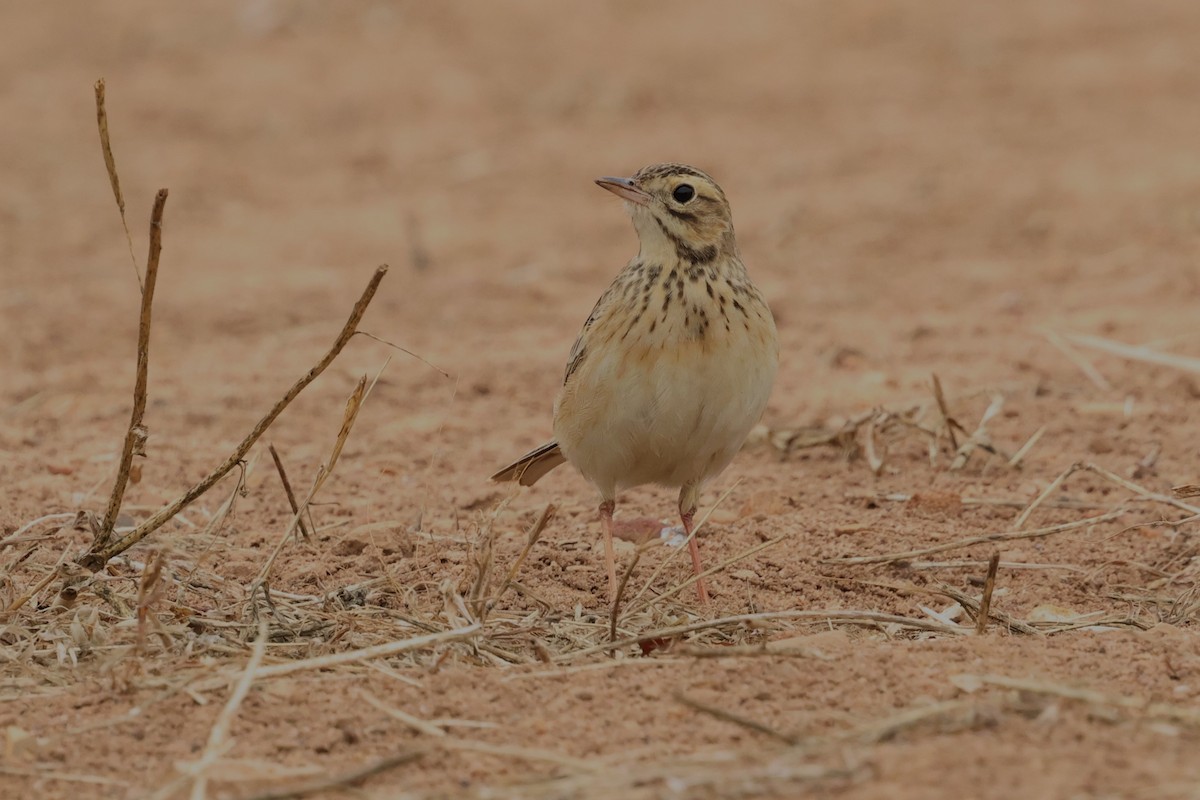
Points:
(407, 352)
(339, 781)
(110, 165)
(17, 535)
(1019, 522)
(1187, 716)
(974, 540)
(135, 436)
(1003, 565)
(973, 606)
(350, 656)
(287, 489)
(985, 603)
(784, 648)
(54, 774)
(531, 538)
(873, 459)
(614, 614)
(1140, 490)
(1137, 353)
(95, 558)
(1024, 449)
(349, 415)
(218, 737)
(980, 438)
(1077, 358)
(416, 723)
(948, 422)
(721, 567)
(16, 605)
(832, 617)
(736, 719)
(888, 728)
(443, 741)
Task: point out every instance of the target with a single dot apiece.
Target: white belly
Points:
(670, 411)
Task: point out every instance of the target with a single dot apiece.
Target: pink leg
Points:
(610, 561)
(694, 549)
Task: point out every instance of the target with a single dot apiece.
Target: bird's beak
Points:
(625, 189)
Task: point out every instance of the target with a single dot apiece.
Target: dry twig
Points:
(218, 736)
(96, 557)
(1136, 353)
(287, 488)
(973, 540)
(1077, 358)
(985, 603)
(350, 656)
(110, 165)
(334, 782)
(737, 719)
(135, 437)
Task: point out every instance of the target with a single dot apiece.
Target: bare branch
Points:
(98, 556)
(135, 437)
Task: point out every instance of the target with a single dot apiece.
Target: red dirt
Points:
(918, 189)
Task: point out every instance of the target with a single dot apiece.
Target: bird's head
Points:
(677, 211)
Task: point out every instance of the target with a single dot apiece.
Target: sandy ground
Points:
(935, 188)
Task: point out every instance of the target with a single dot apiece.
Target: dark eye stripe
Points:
(677, 213)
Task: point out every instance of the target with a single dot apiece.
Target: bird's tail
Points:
(533, 465)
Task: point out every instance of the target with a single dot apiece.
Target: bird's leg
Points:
(687, 514)
(606, 522)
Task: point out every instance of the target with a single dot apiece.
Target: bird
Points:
(675, 364)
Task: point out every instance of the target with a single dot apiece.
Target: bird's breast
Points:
(678, 370)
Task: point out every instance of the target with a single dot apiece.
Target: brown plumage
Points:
(676, 361)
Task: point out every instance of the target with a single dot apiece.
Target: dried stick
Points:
(1140, 490)
(873, 459)
(1135, 353)
(947, 420)
(322, 785)
(217, 737)
(1169, 711)
(350, 656)
(353, 404)
(1076, 358)
(110, 165)
(973, 540)
(135, 437)
(833, 616)
(616, 606)
(1024, 449)
(1049, 490)
(973, 606)
(16, 535)
(97, 557)
(535, 533)
(441, 740)
(737, 719)
(679, 587)
(287, 488)
(980, 438)
(985, 603)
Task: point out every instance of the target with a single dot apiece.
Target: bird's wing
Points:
(579, 349)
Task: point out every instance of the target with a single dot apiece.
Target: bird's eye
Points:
(683, 193)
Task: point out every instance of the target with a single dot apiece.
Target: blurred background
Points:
(935, 187)
(916, 189)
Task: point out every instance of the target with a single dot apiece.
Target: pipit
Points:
(675, 363)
